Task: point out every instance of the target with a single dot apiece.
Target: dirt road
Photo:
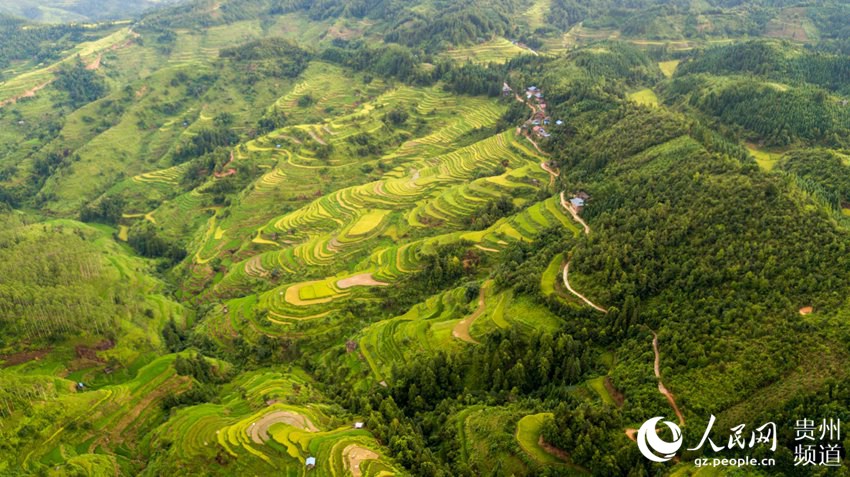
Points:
(582, 297)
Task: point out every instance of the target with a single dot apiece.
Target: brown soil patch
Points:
(259, 431)
(806, 310)
(616, 394)
(364, 279)
(24, 356)
(26, 94)
(550, 449)
(96, 63)
(354, 455)
(90, 352)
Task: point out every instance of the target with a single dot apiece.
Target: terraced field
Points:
(497, 50)
(300, 270)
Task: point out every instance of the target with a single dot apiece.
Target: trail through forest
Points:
(461, 330)
(582, 297)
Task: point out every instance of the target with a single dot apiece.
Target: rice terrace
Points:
(426, 238)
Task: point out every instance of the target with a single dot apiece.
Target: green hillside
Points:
(259, 237)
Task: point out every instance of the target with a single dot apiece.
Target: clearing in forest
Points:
(528, 434)
(668, 67)
(766, 160)
(645, 97)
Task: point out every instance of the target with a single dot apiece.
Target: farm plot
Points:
(497, 50)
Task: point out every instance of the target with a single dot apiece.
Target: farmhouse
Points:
(310, 462)
(506, 90)
(358, 425)
(577, 202)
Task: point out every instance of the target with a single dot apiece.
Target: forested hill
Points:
(431, 238)
(63, 11)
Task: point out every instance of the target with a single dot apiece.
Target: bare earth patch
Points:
(550, 449)
(259, 431)
(354, 455)
(364, 279)
(24, 356)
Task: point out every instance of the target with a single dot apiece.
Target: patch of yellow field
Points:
(368, 222)
(778, 86)
(766, 160)
(312, 293)
(123, 232)
(668, 67)
(644, 97)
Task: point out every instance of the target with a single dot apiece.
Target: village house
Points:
(506, 90)
(579, 200)
(310, 462)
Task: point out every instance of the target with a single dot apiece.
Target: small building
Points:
(532, 88)
(559, 122)
(80, 386)
(582, 195)
(358, 425)
(310, 462)
(536, 122)
(546, 121)
(506, 90)
(577, 202)
(277, 146)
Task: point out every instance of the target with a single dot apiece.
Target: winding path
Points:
(630, 433)
(552, 173)
(661, 388)
(461, 329)
(582, 297)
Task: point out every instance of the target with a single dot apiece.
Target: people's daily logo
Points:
(815, 443)
(652, 446)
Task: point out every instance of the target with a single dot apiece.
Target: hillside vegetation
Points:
(418, 238)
